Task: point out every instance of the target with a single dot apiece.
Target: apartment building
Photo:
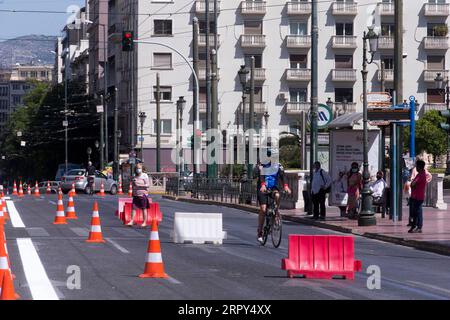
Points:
(277, 34)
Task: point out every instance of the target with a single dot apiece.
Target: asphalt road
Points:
(41, 253)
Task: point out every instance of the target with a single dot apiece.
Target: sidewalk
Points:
(435, 236)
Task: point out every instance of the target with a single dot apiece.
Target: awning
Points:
(346, 121)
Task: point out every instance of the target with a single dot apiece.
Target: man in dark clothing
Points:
(90, 170)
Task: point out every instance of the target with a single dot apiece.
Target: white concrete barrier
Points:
(191, 227)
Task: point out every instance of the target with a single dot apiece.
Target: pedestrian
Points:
(321, 183)
(354, 186)
(141, 183)
(418, 186)
(413, 174)
(378, 189)
(90, 172)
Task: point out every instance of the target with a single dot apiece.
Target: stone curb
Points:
(420, 245)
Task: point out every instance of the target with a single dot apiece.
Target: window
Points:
(43, 74)
(387, 29)
(435, 62)
(297, 95)
(162, 60)
(298, 61)
(3, 91)
(165, 126)
(344, 29)
(437, 30)
(23, 74)
(4, 105)
(388, 63)
(253, 27)
(258, 95)
(202, 26)
(436, 1)
(435, 95)
(16, 87)
(165, 93)
(16, 99)
(162, 27)
(33, 74)
(298, 28)
(343, 62)
(248, 60)
(25, 87)
(341, 94)
(202, 94)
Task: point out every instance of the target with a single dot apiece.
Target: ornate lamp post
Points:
(181, 103)
(439, 80)
(142, 117)
(367, 217)
(243, 78)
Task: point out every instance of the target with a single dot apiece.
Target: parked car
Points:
(78, 176)
(42, 186)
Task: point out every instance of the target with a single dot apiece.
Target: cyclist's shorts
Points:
(263, 198)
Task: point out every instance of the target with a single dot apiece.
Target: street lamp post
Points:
(367, 217)
(89, 152)
(439, 85)
(330, 105)
(181, 103)
(142, 117)
(243, 78)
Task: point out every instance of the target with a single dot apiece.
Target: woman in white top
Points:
(141, 183)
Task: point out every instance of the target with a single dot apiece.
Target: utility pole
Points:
(105, 75)
(102, 138)
(214, 110)
(251, 111)
(66, 132)
(314, 96)
(116, 128)
(158, 125)
(208, 85)
(383, 128)
(195, 33)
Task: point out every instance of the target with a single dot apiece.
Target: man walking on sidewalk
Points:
(320, 187)
(418, 186)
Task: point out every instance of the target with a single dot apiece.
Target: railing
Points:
(386, 42)
(434, 106)
(253, 40)
(344, 41)
(202, 73)
(387, 9)
(202, 107)
(388, 75)
(430, 75)
(200, 6)
(440, 43)
(260, 74)
(344, 75)
(298, 74)
(260, 107)
(297, 8)
(298, 41)
(437, 9)
(253, 7)
(345, 8)
(344, 108)
(297, 107)
(202, 39)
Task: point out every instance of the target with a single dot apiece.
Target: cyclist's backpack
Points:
(327, 190)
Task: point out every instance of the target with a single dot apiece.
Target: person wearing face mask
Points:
(378, 188)
(320, 187)
(141, 183)
(354, 186)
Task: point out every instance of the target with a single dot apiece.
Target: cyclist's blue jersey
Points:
(271, 174)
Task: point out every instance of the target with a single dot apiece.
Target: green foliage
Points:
(290, 152)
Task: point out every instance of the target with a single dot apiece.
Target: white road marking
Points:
(52, 202)
(117, 246)
(82, 232)
(430, 286)
(37, 232)
(40, 285)
(173, 280)
(14, 215)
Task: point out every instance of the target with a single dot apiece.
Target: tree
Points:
(290, 152)
(429, 136)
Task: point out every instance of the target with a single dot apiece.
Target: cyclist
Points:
(91, 177)
(269, 174)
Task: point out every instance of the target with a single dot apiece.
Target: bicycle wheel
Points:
(276, 230)
(266, 231)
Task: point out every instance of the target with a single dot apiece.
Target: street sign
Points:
(378, 98)
(65, 123)
(380, 123)
(324, 116)
(391, 114)
(141, 139)
(100, 109)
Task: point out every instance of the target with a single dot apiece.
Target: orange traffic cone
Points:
(60, 191)
(2, 217)
(5, 209)
(4, 252)
(130, 190)
(7, 287)
(102, 190)
(95, 236)
(36, 190)
(154, 267)
(29, 190)
(60, 216)
(15, 189)
(120, 192)
(74, 192)
(70, 212)
(20, 189)
(49, 190)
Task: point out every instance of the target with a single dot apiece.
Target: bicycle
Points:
(273, 222)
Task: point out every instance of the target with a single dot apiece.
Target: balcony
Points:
(436, 9)
(298, 75)
(345, 8)
(200, 7)
(260, 107)
(260, 74)
(387, 9)
(297, 107)
(298, 42)
(344, 108)
(253, 8)
(298, 8)
(253, 41)
(430, 75)
(202, 73)
(388, 75)
(202, 107)
(202, 40)
(343, 75)
(434, 106)
(386, 43)
(344, 42)
(435, 43)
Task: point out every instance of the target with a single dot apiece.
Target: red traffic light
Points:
(128, 35)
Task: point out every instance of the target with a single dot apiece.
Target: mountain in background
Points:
(36, 49)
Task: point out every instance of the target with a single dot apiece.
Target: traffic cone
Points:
(5, 209)
(7, 287)
(120, 191)
(130, 190)
(15, 189)
(36, 190)
(70, 212)
(49, 190)
(4, 253)
(102, 190)
(2, 217)
(95, 236)
(74, 192)
(154, 266)
(60, 191)
(20, 189)
(29, 190)
(60, 216)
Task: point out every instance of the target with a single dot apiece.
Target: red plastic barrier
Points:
(321, 257)
(153, 212)
(121, 204)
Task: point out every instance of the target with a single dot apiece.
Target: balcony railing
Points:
(386, 42)
(297, 107)
(430, 75)
(299, 8)
(200, 6)
(260, 107)
(344, 42)
(439, 43)
(437, 9)
(202, 107)
(344, 75)
(343, 108)
(260, 74)
(250, 7)
(202, 40)
(345, 8)
(434, 106)
(202, 73)
(298, 74)
(387, 9)
(388, 75)
(253, 41)
(298, 41)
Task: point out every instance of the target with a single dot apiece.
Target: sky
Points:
(19, 24)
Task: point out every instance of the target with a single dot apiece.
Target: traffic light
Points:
(127, 41)
(445, 114)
